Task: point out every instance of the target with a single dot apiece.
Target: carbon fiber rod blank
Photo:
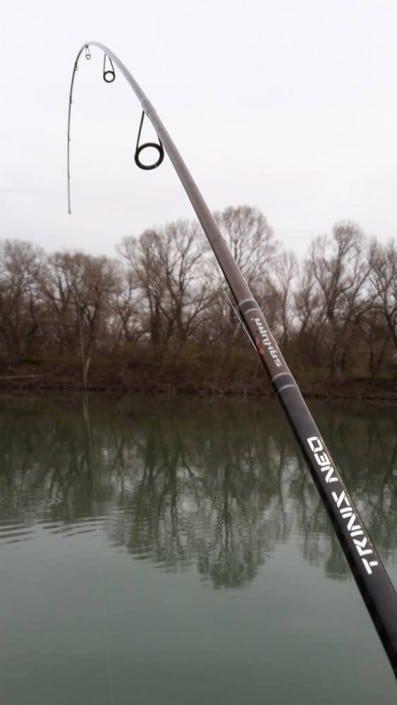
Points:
(366, 565)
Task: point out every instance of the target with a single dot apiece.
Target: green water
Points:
(175, 552)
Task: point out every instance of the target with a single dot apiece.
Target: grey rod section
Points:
(226, 262)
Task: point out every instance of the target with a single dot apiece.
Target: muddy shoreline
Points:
(174, 383)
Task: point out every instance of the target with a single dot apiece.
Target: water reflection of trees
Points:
(190, 483)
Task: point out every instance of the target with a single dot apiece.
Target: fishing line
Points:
(109, 76)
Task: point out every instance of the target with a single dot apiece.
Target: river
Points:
(175, 552)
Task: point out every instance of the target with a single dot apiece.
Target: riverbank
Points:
(232, 376)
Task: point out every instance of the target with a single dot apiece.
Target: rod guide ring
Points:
(154, 165)
(109, 76)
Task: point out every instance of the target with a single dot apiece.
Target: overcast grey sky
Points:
(289, 106)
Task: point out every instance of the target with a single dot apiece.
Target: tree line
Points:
(334, 309)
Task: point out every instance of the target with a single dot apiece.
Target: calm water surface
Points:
(176, 552)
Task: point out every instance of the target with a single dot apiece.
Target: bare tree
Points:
(383, 278)
(285, 269)
(167, 266)
(309, 314)
(57, 289)
(254, 248)
(340, 268)
(251, 241)
(141, 256)
(78, 290)
(21, 265)
(125, 307)
(376, 336)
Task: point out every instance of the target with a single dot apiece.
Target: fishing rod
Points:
(365, 563)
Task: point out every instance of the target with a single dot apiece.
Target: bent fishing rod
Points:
(365, 563)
